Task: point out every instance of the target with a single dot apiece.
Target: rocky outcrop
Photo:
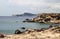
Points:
(18, 31)
(46, 18)
(2, 36)
(28, 20)
(23, 28)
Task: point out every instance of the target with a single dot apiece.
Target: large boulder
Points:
(23, 28)
(18, 31)
(2, 36)
(50, 26)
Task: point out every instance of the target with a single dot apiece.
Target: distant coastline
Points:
(25, 14)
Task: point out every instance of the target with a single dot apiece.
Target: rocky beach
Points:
(52, 32)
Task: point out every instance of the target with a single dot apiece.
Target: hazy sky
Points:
(9, 7)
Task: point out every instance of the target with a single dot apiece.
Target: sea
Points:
(8, 24)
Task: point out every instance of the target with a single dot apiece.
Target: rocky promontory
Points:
(46, 18)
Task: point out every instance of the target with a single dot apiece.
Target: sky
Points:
(11, 7)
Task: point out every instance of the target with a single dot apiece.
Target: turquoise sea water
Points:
(8, 24)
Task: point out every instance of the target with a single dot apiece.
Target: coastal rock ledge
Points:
(45, 18)
(52, 32)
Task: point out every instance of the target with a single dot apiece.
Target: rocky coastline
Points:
(45, 18)
(52, 32)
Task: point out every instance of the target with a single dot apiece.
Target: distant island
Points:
(25, 14)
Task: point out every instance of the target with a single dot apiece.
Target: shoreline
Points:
(53, 32)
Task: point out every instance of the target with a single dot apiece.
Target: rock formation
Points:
(2, 36)
(46, 18)
(18, 31)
